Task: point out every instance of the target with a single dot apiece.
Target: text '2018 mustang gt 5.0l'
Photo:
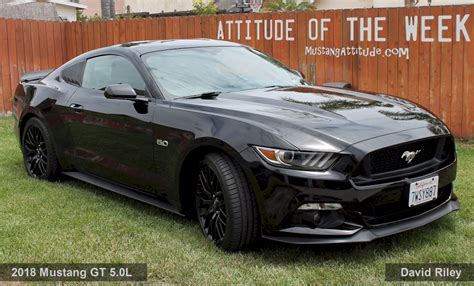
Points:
(226, 134)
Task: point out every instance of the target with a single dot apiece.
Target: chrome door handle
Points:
(77, 107)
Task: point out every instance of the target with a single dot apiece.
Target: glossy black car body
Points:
(120, 145)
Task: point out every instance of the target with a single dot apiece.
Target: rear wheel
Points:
(38, 152)
(226, 208)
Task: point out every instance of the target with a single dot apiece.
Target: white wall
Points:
(389, 3)
(66, 12)
(37, 11)
(446, 2)
(401, 3)
(349, 4)
(342, 4)
(156, 6)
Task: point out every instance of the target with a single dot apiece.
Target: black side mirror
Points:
(120, 91)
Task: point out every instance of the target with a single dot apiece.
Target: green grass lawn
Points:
(74, 222)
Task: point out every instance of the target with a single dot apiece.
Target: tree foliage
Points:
(288, 6)
(84, 18)
(202, 8)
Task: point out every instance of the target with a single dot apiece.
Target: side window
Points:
(73, 74)
(103, 71)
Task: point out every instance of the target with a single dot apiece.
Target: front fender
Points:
(188, 130)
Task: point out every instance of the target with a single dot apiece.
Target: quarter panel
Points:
(47, 100)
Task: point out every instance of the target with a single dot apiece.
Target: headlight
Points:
(316, 161)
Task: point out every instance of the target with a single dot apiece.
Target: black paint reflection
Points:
(340, 104)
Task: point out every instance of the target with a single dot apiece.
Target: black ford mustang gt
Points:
(226, 134)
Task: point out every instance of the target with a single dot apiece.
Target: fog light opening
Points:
(316, 218)
(320, 207)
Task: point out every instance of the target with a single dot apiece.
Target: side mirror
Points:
(120, 91)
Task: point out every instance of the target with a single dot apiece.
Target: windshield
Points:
(193, 71)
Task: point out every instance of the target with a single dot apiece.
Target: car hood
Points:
(320, 118)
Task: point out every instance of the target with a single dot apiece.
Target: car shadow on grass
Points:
(278, 253)
(139, 206)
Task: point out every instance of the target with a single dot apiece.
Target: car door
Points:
(113, 138)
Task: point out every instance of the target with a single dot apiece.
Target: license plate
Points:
(423, 191)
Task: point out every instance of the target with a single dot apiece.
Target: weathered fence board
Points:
(438, 75)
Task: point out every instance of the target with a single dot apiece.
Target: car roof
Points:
(143, 47)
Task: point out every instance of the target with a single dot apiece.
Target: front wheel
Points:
(38, 152)
(226, 208)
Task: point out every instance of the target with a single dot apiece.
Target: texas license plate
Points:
(423, 191)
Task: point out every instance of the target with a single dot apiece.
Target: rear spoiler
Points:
(33, 76)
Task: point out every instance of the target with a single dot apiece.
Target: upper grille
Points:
(387, 165)
(390, 159)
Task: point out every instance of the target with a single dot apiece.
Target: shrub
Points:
(287, 6)
(201, 8)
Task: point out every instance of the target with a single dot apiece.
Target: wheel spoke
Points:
(30, 138)
(34, 164)
(35, 151)
(210, 204)
(38, 167)
(209, 224)
(33, 135)
(210, 231)
(205, 202)
(220, 218)
(202, 212)
(29, 142)
(204, 187)
(211, 181)
(42, 147)
(29, 150)
(207, 218)
(210, 178)
(216, 185)
(42, 167)
(37, 135)
(215, 230)
(204, 177)
(220, 225)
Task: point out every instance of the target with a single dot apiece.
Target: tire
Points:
(226, 208)
(39, 156)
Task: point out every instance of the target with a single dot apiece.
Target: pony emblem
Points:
(410, 155)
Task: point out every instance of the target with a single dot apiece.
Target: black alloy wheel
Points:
(38, 153)
(225, 206)
(210, 205)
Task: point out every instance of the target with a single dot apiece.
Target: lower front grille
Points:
(392, 205)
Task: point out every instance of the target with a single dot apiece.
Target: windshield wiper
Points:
(278, 86)
(205, 95)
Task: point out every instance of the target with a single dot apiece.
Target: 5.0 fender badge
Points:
(162, 143)
(409, 156)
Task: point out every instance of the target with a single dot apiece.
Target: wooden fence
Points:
(438, 74)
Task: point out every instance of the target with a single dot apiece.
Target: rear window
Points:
(73, 74)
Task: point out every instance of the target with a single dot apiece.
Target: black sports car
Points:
(226, 134)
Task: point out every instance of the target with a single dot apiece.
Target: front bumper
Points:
(298, 235)
(368, 211)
